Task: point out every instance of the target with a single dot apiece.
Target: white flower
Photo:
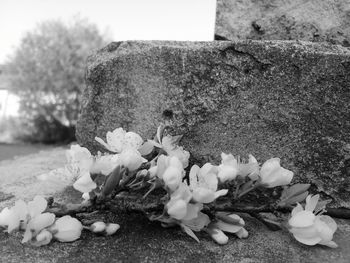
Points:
(131, 159)
(198, 220)
(111, 229)
(79, 160)
(119, 140)
(311, 229)
(98, 227)
(67, 229)
(172, 177)
(250, 169)
(204, 183)
(84, 183)
(170, 170)
(19, 215)
(172, 149)
(105, 164)
(272, 174)
(36, 224)
(10, 219)
(179, 207)
(228, 169)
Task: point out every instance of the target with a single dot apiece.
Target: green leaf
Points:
(113, 180)
(294, 199)
(146, 148)
(294, 190)
(189, 232)
(272, 225)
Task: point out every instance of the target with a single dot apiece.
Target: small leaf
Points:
(113, 180)
(189, 232)
(294, 199)
(294, 190)
(146, 148)
(272, 225)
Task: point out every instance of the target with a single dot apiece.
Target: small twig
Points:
(120, 204)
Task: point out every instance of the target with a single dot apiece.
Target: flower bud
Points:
(67, 229)
(272, 174)
(98, 227)
(242, 233)
(217, 235)
(111, 229)
(43, 238)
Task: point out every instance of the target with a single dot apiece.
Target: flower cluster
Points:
(40, 227)
(191, 192)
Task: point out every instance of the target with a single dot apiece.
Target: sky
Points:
(120, 19)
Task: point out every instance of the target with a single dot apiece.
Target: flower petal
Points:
(85, 184)
(330, 222)
(269, 167)
(193, 176)
(311, 202)
(302, 219)
(177, 208)
(297, 209)
(197, 223)
(132, 140)
(192, 211)
(37, 206)
(203, 195)
(221, 192)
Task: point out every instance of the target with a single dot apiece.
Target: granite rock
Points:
(315, 20)
(282, 99)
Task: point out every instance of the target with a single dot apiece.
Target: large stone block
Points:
(312, 20)
(272, 99)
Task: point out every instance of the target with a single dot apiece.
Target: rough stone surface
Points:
(139, 240)
(312, 20)
(277, 98)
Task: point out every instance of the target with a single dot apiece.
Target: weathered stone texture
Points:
(277, 98)
(313, 20)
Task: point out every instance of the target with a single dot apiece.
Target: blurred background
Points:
(44, 46)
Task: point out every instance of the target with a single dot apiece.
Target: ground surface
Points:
(138, 239)
(9, 151)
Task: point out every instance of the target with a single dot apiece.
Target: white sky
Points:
(124, 19)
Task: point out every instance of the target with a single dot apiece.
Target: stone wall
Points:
(274, 98)
(312, 20)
